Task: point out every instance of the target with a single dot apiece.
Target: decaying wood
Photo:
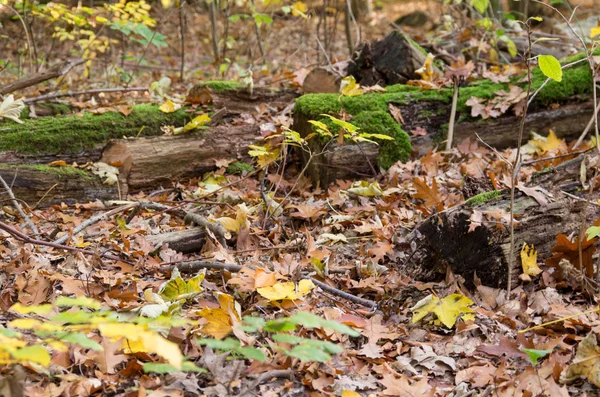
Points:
(44, 188)
(36, 78)
(242, 100)
(444, 239)
(152, 162)
(325, 79)
(185, 241)
(392, 60)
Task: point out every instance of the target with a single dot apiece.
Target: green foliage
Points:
(535, 354)
(484, 197)
(239, 167)
(550, 67)
(305, 349)
(381, 123)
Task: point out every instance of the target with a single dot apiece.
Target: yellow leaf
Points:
(350, 87)
(288, 290)
(299, 9)
(138, 338)
(230, 224)
(169, 106)
(350, 393)
(447, 310)
(58, 163)
(197, 122)
(35, 354)
(177, 288)
(595, 31)
(426, 71)
(221, 320)
(551, 143)
(366, 189)
(166, 3)
(529, 260)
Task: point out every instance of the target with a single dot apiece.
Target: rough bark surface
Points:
(36, 78)
(151, 162)
(50, 187)
(444, 239)
(392, 60)
(185, 241)
(237, 101)
(325, 79)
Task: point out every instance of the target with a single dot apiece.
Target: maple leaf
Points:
(288, 291)
(429, 194)
(402, 386)
(350, 87)
(447, 309)
(221, 319)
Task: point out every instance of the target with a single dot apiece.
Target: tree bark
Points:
(151, 162)
(37, 78)
(45, 186)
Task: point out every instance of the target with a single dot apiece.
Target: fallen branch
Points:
(37, 78)
(94, 219)
(86, 92)
(23, 237)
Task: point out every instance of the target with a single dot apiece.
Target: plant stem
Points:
(452, 115)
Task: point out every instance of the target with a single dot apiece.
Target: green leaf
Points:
(308, 353)
(283, 324)
(228, 344)
(592, 231)
(252, 353)
(82, 340)
(177, 288)
(35, 354)
(480, 5)
(287, 338)
(78, 317)
(535, 354)
(253, 324)
(550, 66)
(160, 368)
(37, 309)
(81, 301)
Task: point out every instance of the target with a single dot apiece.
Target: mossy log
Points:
(79, 138)
(236, 98)
(429, 110)
(449, 239)
(151, 162)
(42, 186)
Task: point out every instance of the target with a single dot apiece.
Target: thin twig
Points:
(345, 295)
(16, 204)
(93, 220)
(86, 92)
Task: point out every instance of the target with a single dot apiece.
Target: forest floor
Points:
(380, 331)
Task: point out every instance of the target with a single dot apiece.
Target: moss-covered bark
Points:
(576, 82)
(83, 133)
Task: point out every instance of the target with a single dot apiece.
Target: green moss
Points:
(380, 122)
(484, 197)
(221, 85)
(60, 172)
(239, 167)
(416, 45)
(76, 134)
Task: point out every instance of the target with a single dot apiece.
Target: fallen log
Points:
(406, 112)
(482, 249)
(236, 98)
(325, 79)
(79, 138)
(40, 185)
(151, 162)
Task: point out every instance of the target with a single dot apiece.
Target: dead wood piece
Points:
(449, 238)
(36, 78)
(392, 60)
(184, 241)
(152, 162)
(43, 187)
(242, 100)
(325, 79)
(215, 228)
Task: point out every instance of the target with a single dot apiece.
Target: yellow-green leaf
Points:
(529, 260)
(35, 354)
(550, 66)
(447, 310)
(169, 106)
